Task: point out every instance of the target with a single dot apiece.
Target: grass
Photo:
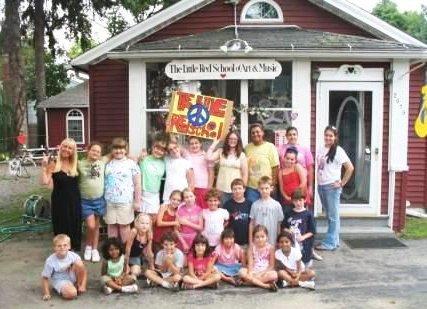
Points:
(416, 228)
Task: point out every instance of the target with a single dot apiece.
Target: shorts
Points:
(135, 260)
(164, 275)
(150, 202)
(58, 284)
(230, 270)
(93, 207)
(107, 278)
(118, 213)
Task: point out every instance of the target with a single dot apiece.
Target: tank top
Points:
(261, 257)
(115, 269)
(137, 247)
(159, 231)
(290, 182)
(229, 169)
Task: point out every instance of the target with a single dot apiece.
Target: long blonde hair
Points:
(72, 160)
(139, 218)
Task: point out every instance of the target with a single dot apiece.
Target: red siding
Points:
(57, 125)
(399, 214)
(109, 100)
(295, 12)
(417, 149)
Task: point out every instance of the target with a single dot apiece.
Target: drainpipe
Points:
(46, 127)
(391, 193)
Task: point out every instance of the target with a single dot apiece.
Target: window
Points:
(261, 11)
(75, 125)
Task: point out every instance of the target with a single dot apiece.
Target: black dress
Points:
(66, 208)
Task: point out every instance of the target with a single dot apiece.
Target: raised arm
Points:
(47, 171)
(211, 155)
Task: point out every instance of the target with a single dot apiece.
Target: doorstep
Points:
(355, 226)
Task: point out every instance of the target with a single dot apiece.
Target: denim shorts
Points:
(230, 270)
(93, 207)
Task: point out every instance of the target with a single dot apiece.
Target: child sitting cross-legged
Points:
(291, 270)
(201, 272)
(64, 269)
(114, 270)
(169, 262)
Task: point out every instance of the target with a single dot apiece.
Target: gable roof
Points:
(74, 97)
(342, 8)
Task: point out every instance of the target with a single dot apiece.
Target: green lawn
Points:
(416, 228)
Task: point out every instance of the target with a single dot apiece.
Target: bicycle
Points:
(18, 165)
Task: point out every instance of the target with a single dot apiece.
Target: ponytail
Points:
(333, 150)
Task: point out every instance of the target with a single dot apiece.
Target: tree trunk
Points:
(14, 82)
(39, 35)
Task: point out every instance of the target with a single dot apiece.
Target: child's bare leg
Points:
(268, 276)
(113, 230)
(228, 279)
(135, 270)
(284, 275)
(96, 233)
(112, 284)
(90, 226)
(124, 230)
(81, 276)
(154, 277)
(69, 291)
(211, 279)
(254, 280)
(191, 280)
(307, 275)
(174, 279)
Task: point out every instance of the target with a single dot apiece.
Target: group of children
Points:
(237, 242)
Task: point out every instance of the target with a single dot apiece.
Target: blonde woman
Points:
(60, 174)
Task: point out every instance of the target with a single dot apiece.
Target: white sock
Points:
(166, 284)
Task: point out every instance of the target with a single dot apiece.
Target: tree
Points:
(413, 23)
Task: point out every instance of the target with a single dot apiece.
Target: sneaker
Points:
(317, 256)
(322, 247)
(273, 287)
(307, 284)
(130, 288)
(95, 256)
(88, 253)
(283, 283)
(107, 290)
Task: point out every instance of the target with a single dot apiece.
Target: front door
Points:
(356, 110)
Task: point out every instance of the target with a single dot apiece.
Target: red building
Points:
(308, 63)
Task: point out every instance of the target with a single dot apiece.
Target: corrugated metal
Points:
(109, 100)
(295, 12)
(417, 148)
(57, 125)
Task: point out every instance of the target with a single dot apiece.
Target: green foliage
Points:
(413, 23)
(77, 48)
(416, 228)
(116, 22)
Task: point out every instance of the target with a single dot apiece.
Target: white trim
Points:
(137, 106)
(391, 193)
(46, 124)
(399, 117)
(244, 103)
(301, 99)
(353, 73)
(245, 9)
(81, 118)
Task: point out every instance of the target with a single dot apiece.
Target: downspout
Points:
(391, 193)
(46, 127)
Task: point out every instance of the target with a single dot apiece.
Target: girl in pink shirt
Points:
(201, 273)
(190, 220)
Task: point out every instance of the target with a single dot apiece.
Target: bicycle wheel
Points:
(27, 161)
(23, 172)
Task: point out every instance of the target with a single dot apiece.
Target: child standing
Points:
(260, 269)
(122, 189)
(201, 272)
(179, 172)
(266, 211)
(152, 170)
(139, 244)
(239, 209)
(190, 220)
(214, 218)
(64, 269)
(169, 263)
(167, 220)
(91, 184)
(300, 222)
(203, 170)
(114, 270)
(291, 270)
(228, 258)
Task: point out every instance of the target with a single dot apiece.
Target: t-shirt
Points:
(239, 219)
(304, 157)
(328, 173)
(299, 223)
(214, 224)
(59, 268)
(201, 168)
(119, 186)
(176, 175)
(200, 265)
(268, 213)
(192, 214)
(261, 159)
(229, 168)
(290, 261)
(152, 171)
(229, 256)
(178, 259)
(91, 178)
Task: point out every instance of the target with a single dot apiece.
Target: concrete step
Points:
(375, 226)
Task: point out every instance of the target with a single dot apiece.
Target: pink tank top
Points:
(261, 257)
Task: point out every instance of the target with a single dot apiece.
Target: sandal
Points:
(273, 287)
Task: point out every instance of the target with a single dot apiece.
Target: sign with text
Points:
(199, 115)
(204, 69)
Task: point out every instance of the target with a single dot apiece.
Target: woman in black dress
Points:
(61, 176)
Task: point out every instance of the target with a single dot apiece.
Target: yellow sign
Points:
(421, 122)
(199, 115)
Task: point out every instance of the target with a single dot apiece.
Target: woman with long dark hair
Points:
(330, 160)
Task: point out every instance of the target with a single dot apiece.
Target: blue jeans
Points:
(252, 194)
(330, 199)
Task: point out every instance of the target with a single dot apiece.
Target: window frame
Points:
(81, 118)
(244, 20)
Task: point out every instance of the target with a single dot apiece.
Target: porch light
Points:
(236, 45)
(315, 74)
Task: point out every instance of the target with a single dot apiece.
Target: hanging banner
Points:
(421, 122)
(204, 69)
(199, 115)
